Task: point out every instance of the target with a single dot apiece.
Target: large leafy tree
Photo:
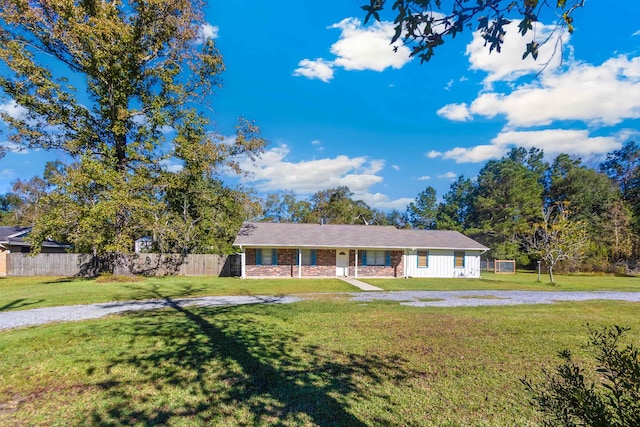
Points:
(427, 24)
(623, 167)
(285, 207)
(422, 211)
(26, 201)
(119, 87)
(507, 201)
(456, 209)
(10, 204)
(332, 205)
(592, 198)
(201, 215)
(336, 206)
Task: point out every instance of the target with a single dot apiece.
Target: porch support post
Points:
(356, 266)
(299, 263)
(243, 265)
(405, 254)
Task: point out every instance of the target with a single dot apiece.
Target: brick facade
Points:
(325, 265)
(396, 269)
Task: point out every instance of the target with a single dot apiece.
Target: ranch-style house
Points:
(328, 250)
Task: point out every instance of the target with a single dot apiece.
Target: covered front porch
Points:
(321, 262)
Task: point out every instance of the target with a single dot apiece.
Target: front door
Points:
(342, 263)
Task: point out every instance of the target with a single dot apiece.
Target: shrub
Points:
(572, 396)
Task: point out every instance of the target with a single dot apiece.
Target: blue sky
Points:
(339, 107)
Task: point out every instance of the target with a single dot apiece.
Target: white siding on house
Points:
(441, 264)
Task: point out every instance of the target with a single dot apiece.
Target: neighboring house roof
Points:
(265, 234)
(14, 236)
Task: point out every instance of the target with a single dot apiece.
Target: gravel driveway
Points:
(39, 316)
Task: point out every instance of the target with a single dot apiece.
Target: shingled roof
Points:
(14, 236)
(265, 234)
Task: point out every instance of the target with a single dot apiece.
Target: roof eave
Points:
(294, 246)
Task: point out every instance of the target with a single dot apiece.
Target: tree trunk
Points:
(551, 274)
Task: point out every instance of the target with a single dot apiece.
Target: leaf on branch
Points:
(372, 10)
(397, 35)
(483, 23)
(524, 26)
(532, 48)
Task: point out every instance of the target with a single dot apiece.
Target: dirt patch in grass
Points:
(111, 278)
(328, 297)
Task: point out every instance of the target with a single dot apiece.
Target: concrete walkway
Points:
(359, 284)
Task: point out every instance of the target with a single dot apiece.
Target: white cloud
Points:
(477, 154)
(637, 33)
(556, 141)
(448, 175)
(13, 147)
(13, 110)
(368, 48)
(7, 174)
(315, 142)
(273, 172)
(224, 139)
(424, 178)
(316, 69)
(455, 112)
(433, 154)
(395, 167)
(551, 141)
(207, 31)
(171, 166)
(382, 201)
(358, 48)
(143, 120)
(597, 95)
(508, 64)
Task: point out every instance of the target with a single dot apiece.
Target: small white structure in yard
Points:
(331, 250)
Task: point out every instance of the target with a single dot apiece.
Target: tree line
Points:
(521, 206)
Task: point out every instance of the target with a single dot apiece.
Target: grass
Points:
(19, 293)
(327, 362)
(520, 281)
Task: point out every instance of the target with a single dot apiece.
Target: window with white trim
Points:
(458, 259)
(266, 257)
(309, 257)
(376, 258)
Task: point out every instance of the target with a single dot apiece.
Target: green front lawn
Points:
(309, 363)
(19, 293)
(525, 281)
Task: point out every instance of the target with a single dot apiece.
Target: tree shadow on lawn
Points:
(19, 303)
(237, 366)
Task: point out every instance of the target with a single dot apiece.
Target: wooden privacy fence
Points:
(18, 264)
